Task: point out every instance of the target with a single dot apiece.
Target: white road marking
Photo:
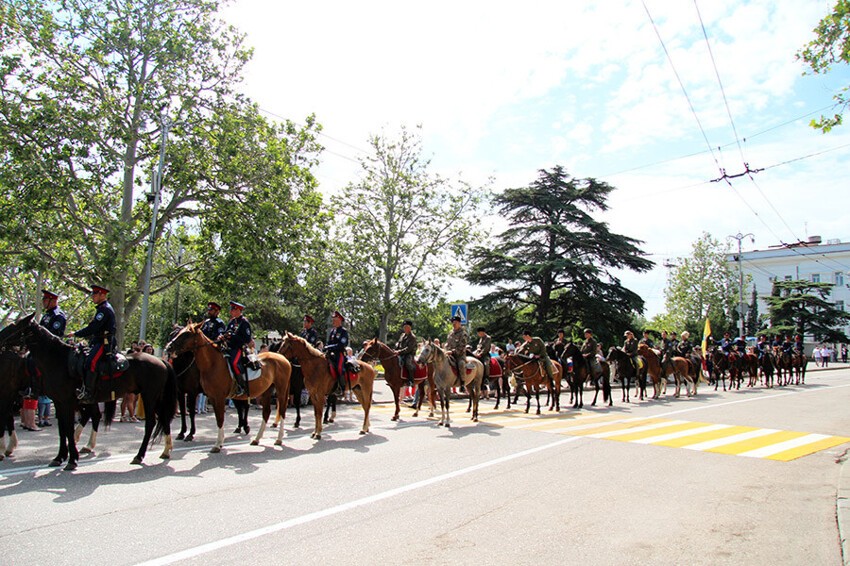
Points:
(709, 444)
(321, 514)
(681, 434)
(766, 451)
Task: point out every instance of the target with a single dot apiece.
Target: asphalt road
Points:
(621, 485)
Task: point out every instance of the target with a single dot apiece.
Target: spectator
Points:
(825, 355)
(44, 410)
(816, 354)
(844, 353)
(28, 414)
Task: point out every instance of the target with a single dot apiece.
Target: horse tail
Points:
(167, 407)
(108, 412)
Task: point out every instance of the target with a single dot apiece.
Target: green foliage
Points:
(753, 319)
(830, 46)
(404, 229)
(801, 307)
(554, 264)
(702, 285)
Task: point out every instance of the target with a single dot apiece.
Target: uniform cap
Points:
(48, 294)
(338, 315)
(308, 318)
(628, 332)
(480, 329)
(99, 289)
(588, 331)
(561, 331)
(213, 304)
(407, 323)
(235, 305)
(526, 332)
(456, 318)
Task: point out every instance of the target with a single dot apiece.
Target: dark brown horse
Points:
(375, 350)
(12, 380)
(188, 389)
(571, 356)
(531, 373)
(320, 382)
(626, 372)
(146, 375)
(220, 386)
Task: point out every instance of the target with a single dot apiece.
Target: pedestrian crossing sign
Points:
(460, 310)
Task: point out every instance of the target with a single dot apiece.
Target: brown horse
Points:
(750, 364)
(571, 355)
(654, 371)
(375, 350)
(12, 380)
(793, 365)
(219, 386)
(320, 382)
(530, 371)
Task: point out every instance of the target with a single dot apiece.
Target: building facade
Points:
(812, 260)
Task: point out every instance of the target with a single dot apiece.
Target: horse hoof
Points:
(238, 430)
(448, 425)
(189, 438)
(215, 450)
(180, 436)
(362, 432)
(395, 418)
(136, 461)
(255, 443)
(278, 442)
(55, 463)
(70, 466)
(330, 421)
(318, 437)
(165, 456)
(86, 450)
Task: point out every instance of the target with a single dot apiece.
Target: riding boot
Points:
(340, 384)
(85, 394)
(240, 388)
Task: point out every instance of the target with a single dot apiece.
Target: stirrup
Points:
(84, 396)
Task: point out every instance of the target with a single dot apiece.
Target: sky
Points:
(502, 91)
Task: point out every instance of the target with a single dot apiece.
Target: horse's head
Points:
(189, 338)
(371, 350)
(428, 352)
(13, 334)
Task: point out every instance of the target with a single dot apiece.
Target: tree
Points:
(553, 265)
(87, 88)
(753, 314)
(702, 286)
(405, 229)
(830, 46)
(800, 307)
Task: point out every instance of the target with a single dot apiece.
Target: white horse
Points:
(445, 378)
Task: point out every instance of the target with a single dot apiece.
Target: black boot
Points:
(85, 394)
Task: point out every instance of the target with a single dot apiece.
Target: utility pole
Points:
(741, 308)
(156, 187)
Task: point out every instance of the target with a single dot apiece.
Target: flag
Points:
(706, 332)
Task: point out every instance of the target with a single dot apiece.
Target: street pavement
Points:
(743, 477)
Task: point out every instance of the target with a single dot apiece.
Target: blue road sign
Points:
(460, 310)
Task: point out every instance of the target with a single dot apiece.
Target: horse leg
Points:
(193, 408)
(537, 397)
(181, 406)
(469, 405)
(318, 405)
(95, 424)
(150, 421)
(218, 409)
(596, 393)
(527, 398)
(395, 387)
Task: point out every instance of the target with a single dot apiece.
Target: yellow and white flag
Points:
(706, 332)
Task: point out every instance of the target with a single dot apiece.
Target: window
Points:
(839, 279)
(788, 278)
(815, 277)
(839, 305)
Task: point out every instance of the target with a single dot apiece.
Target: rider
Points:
(762, 347)
(798, 344)
(536, 348)
(213, 326)
(309, 333)
(237, 335)
(788, 346)
(101, 334)
(456, 343)
(685, 348)
(482, 350)
(54, 321)
(630, 348)
(647, 339)
(405, 347)
(560, 343)
(335, 349)
(588, 351)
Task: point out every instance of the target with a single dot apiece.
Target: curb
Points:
(842, 508)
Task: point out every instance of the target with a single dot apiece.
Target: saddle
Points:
(420, 374)
(495, 368)
(111, 366)
(251, 368)
(469, 366)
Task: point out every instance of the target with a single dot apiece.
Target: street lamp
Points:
(741, 308)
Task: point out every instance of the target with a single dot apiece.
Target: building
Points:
(811, 260)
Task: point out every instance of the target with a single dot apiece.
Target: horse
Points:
(750, 364)
(571, 354)
(320, 382)
(445, 378)
(219, 386)
(533, 376)
(12, 370)
(626, 372)
(296, 385)
(653, 370)
(499, 379)
(375, 350)
(188, 388)
(798, 365)
(681, 370)
(146, 375)
(767, 364)
(719, 366)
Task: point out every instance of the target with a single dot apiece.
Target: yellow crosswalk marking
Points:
(805, 450)
(753, 443)
(702, 437)
(630, 437)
